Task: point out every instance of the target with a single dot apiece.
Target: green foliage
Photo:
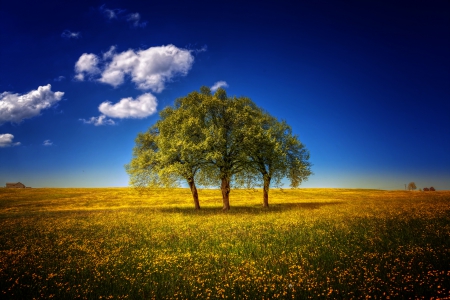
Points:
(172, 149)
(144, 168)
(275, 153)
(213, 139)
(228, 121)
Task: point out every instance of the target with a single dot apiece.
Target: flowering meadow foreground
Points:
(113, 243)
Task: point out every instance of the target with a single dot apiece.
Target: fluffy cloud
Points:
(6, 140)
(87, 64)
(98, 121)
(15, 107)
(47, 143)
(67, 34)
(149, 69)
(143, 106)
(218, 85)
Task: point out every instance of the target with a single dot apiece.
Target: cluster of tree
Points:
(210, 139)
(412, 186)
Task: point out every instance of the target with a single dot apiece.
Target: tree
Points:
(411, 186)
(274, 153)
(144, 166)
(227, 125)
(432, 189)
(426, 189)
(212, 138)
(175, 149)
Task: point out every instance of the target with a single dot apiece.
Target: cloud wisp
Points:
(110, 14)
(47, 143)
(149, 69)
(15, 107)
(218, 85)
(119, 14)
(59, 78)
(98, 121)
(6, 140)
(67, 34)
(135, 20)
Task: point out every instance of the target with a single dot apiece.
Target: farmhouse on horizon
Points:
(19, 185)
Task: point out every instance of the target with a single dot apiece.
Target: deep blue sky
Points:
(364, 84)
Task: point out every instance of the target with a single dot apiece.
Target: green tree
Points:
(172, 149)
(144, 166)
(274, 153)
(411, 186)
(227, 123)
(215, 139)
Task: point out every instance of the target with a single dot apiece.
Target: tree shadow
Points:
(250, 210)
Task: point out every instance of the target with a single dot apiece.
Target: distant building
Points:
(19, 185)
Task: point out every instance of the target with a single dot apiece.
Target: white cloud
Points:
(86, 65)
(143, 106)
(15, 107)
(149, 69)
(135, 19)
(67, 34)
(6, 140)
(79, 77)
(97, 121)
(218, 85)
(47, 143)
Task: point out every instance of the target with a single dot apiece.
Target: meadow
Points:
(114, 243)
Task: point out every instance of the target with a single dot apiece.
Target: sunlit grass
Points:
(310, 243)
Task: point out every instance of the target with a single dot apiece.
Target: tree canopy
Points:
(274, 153)
(412, 186)
(212, 139)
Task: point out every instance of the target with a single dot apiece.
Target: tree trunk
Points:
(266, 191)
(194, 193)
(225, 187)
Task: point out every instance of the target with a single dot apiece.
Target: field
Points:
(310, 243)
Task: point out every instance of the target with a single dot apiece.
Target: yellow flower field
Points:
(114, 243)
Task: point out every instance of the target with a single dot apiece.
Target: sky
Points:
(364, 84)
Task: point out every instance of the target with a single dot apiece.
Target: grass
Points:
(311, 243)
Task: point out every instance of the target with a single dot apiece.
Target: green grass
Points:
(310, 243)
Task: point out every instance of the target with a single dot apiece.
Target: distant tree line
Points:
(210, 139)
(412, 186)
